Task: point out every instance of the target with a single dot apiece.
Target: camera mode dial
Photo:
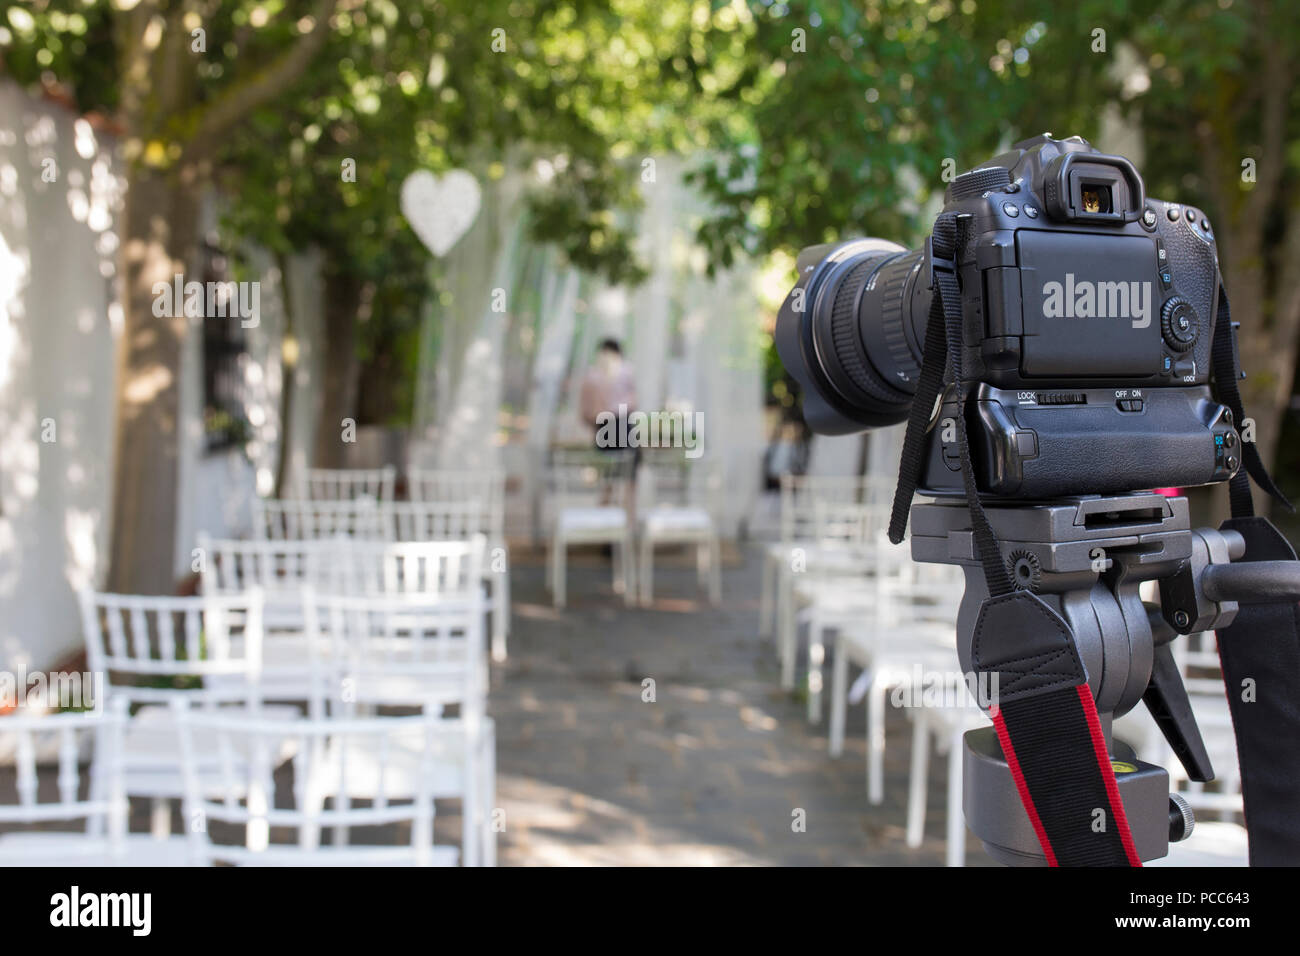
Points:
(1179, 324)
(976, 182)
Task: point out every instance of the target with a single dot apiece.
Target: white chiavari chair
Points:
(348, 484)
(67, 774)
(683, 508)
(830, 582)
(461, 520)
(589, 497)
(282, 519)
(799, 497)
(407, 650)
(279, 569)
(152, 650)
(324, 750)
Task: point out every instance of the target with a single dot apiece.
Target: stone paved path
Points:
(710, 772)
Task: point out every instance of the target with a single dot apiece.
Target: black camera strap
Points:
(1260, 651)
(1045, 716)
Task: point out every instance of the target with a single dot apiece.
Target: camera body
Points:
(1088, 318)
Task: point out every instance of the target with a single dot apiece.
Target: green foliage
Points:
(851, 136)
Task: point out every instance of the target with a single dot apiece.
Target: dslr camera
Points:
(1088, 317)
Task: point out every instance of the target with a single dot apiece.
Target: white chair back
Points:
(279, 569)
(683, 484)
(276, 519)
(155, 648)
(402, 748)
(801, 494)
(395, 650)
(477, 492)
(66, 740)
(583, 479)
(438, 571)
(348, 484)
(440, 520)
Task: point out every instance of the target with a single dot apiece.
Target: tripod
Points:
(1087, 557)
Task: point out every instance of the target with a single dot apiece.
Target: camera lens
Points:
(859, 338)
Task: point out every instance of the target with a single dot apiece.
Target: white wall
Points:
(58, 334)
(59, 329)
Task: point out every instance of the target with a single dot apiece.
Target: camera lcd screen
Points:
(1091, 305)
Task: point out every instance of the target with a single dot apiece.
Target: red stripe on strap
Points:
(1008, 751)
(1107, 773)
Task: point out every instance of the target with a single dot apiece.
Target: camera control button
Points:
(1011, 209)
(1031, 211)
(1179, 324)
(1173, 212)
(1027, 443)
(1149, 219)
(1230, 439)
(1191, 215)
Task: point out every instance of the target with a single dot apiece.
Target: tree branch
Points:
(243, 98)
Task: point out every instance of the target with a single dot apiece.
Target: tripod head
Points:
(1087, 557)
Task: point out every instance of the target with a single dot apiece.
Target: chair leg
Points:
(501, 615)
(715, 571)
(557, 570)
(782, 599)
(628, 569)
(917, 782)
(876, 740)
(956, 814)
(839, 698)
(816, 656)
(787, 642)
(645, 569)
(160, 818)
(470, 809)
(766, 598)
(487, 826)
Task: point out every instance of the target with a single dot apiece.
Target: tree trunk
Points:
(288, 378)
(158, 239)
(339, 385)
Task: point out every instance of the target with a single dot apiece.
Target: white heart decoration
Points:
(440, 208)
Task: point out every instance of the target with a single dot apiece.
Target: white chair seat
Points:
(51, 848)
(676, 520)
(602, 518)
(151, 753)
(363, 771)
